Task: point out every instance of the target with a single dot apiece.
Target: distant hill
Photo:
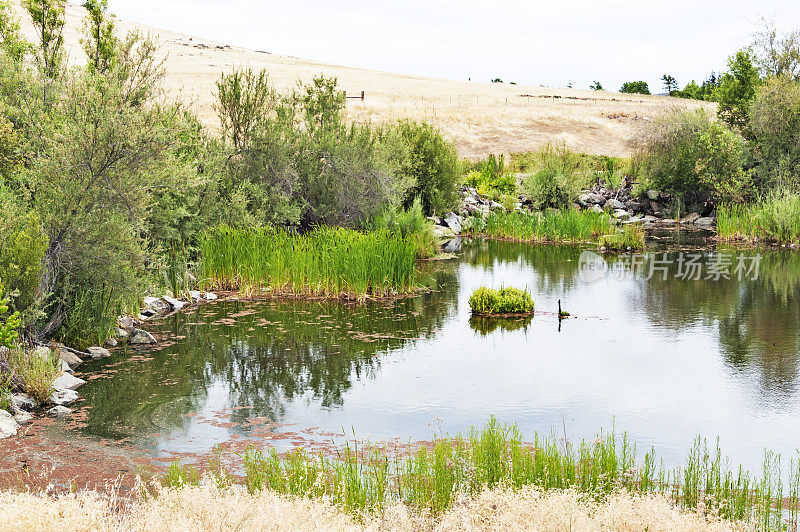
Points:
(481, 118)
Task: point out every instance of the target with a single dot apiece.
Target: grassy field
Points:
(481, 118)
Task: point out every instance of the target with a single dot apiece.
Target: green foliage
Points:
(410, 224)
(775, 218)
(777, 53)
(243, 100)
(596, 86)
(774, 124)
(565, 226)
(736, 90)
(429, 164)
(491, 179)
(690, 154)
(48, 19)
(330, 262)
(9, 326)
(179, 476)
(11, 41)
(34, 371)
(635, 87)
(100, 43)
(547, 189)
(487, 301)
(629, 238)
(22, 247)
(670, 83)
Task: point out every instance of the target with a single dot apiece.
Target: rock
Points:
(8, 425)
(127, 324)
(494, 205)
(140, 337)
(634, 206)
(615, 204)
(23, 402)
(121, 334)
(453, 221)
(210, 296)
(98, 352)
(443, 233)
(68, 382)
(634, 220)
(64, 367)
(70, 359)
(155, 307)
(622, 214)
(23, 417)
(650, 219)
(653, 195)
(452, 246)
(707, 222)
(596, 199)
(60, 411)
(667, 221)
(435, 219)
(174, 303)
(64, 397)
(596, 208)
(690, 219)
(583, 199)
(110, 343)
(469, 200)
(196, 295)
(43, 352)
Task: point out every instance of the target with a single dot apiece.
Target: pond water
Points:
(653, 351)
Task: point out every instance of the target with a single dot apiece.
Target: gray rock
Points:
(583, 199)
(708, 222)
(596, 199)
(127, 323)
(43, 352)
(98, 352)
(454, 222)
(110, 343)
(23, 417)
(210, 296)
(596, 208)
(8, 425)
(23, 402)
(70, 359)
(470, 200)
(653, 194)
(196, 295)
(443, 233)
(59, 411)
(140, 337)
(155, 307)
(64, 367)
(452, 246)
(667, 221)
(174, 303)
(634, 220)
(615, 204)
(121, 334)
(634, 206)
(690, 219)
(622, 214)
(64, 397)
(68, 382)
(650, 219)
(435, 219)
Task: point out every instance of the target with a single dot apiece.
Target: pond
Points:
(665, 345)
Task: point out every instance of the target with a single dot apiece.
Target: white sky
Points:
(531, 42)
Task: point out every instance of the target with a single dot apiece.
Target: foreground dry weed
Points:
(208, 508)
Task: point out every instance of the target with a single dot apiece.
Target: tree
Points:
(736, 90)
(243, 100)
(100, 43)
(48, 19)
(596, 86)
(11, 40)
(635, 87)
(777, 54)
(670, 83)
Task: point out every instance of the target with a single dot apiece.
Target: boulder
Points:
(98, 352)
(154, 307)
(127, 324)
(23, 402)
(690, 219)
(443, 233)
(68, 382)
(210, 296)
(596, 208)
(596, 199)
(23, 417)
(453, 221)
(622, 214)
(615, 204)
(140, 337)
(634, 220)
(634, 206)
(175, 304)
(653, 194)
(70, 359)
(112, 343)
(59, 411)
(121, 334)
(64, 397)
(43, 352)
(706, 222)
(8, 425)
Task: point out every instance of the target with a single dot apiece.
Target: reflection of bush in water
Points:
(485, 325)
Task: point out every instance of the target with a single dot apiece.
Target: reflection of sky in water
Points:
(663, 378)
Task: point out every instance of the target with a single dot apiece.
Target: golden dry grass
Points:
(208, 508)
(481, 118)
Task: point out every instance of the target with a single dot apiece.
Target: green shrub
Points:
(22, 247)
(503, 301)
(408, 223)
(429, 164)
(775, 218)
(736, 90)
(9, 325)
(629, 238)
(692, 155)
(36, 372)
(635, 87)
(774, 124)
(546, 188)
(491, 179)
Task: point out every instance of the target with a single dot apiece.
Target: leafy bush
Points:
(546, 188)
(503, 301)
(10, 324)
(736, 90)
(774, 124)
(35, 371)
(635, 87)
(690, 154)
(491, 179)
(408, 223)
(22, 248)
(428, 163)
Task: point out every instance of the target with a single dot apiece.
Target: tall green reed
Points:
(774, 219)
(556, 226)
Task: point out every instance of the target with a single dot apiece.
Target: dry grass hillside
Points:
(481, 118)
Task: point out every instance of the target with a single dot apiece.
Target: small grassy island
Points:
(504, 302)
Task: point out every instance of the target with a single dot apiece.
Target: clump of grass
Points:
(630, 238)
(34, 372)
(410, 224)
(551, 226)
(505, 301)
(775, 219)
(327, 262)
(431, 478)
